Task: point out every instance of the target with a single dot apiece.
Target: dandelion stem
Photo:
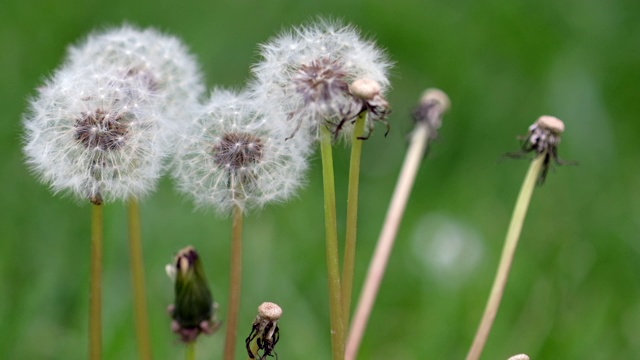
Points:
(352, 218)
(508, 251)
(139, 292)
(333, 266)
(235, 285)
(380, 259)
(191, 351)
(95, 302)
(254, 349)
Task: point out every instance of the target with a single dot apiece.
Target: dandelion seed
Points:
(307, 74)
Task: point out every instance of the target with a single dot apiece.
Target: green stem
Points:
(380, 258)
(235, 285)
(254, 349)
(508, 252)
(352, 218)
(95, 297)
(139, 291)
(191, 351)
(333, 266)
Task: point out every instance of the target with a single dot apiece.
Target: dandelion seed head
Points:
(101, 127)
(232, 156)
(305, 73)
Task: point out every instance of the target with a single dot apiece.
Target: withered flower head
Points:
(265, 331)
(543, 140)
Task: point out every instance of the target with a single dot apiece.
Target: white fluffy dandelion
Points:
(101, 126)
(306, 74)
(160, 61)
(233, 156)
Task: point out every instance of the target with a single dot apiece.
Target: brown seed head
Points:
(102, 130)
(321, 80)
(238, 150)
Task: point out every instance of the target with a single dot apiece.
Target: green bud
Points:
(194, 311)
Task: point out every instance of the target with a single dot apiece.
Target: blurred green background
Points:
(574, 292)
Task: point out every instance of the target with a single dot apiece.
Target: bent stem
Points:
(508, 252)
(235, 285)
(139, 292)
(333, 266)
(95, 296)
(381, 255)
(352, 218)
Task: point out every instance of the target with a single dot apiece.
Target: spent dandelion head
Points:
(231, 155)
(543, 139)
(264, 331)
(194, 311)
(434, 103)
(307, 75)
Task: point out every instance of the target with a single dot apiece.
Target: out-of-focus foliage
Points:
(574, 291)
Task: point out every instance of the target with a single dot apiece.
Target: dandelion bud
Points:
(265, 331)
(306, 75)
(232, 156)
(194, 311)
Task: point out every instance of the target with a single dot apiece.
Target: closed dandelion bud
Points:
(308, 75)
(232, 155)
(194, 311)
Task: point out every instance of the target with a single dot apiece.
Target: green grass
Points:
(573, 291)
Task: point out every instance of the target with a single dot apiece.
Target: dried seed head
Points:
(543, 139)
(437, 96)
(519, 357)
(550, 123)
(265, 331)
(365, 88)
(269, 311)
(433, 104)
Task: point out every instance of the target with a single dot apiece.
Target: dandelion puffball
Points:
(100, 126)
(233, 155)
